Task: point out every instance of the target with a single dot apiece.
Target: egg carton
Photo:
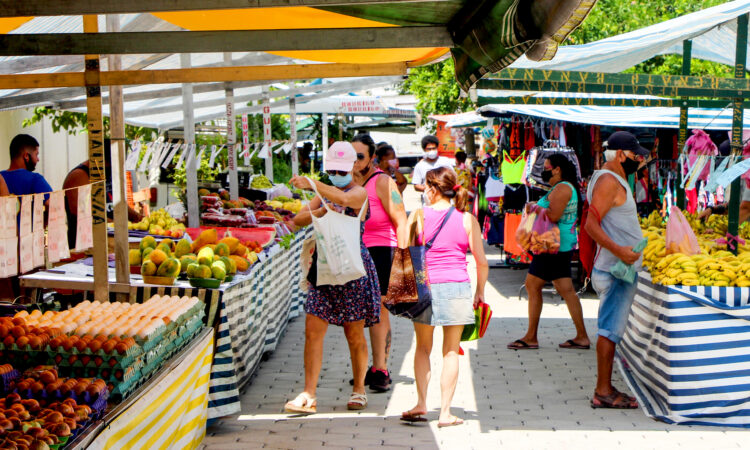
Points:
(95, 402)
(22, 358)
(120, 360)
(6, 381)
(16, 348)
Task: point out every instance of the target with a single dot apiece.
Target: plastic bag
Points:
(680, 237)
(537, 233)
(624, 271)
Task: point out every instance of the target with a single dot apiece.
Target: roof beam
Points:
(16, 8)
(592, 101)
(204, 75)
(222, 41)
(343, 86)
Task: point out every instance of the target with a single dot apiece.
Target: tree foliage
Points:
(75, 122)
(438, 93)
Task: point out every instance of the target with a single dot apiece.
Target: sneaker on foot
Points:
(381, 381)
(368, 377)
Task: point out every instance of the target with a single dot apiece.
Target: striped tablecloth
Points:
(171, 414)
(686, 354)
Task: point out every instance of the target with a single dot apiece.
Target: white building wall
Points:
(58, 152)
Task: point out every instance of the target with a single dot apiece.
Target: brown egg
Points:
(121, 348)
(80, 388)
(22, 341)
(54, 417)
(47, 377)
(9, 340)
(37, 386)
(17, 331)
(93, 390)
(18, 321)
(35, 342)
(4, 331)
(81, 345)
(109, 346)
(94, 346)
(68, 344)
(101, 338)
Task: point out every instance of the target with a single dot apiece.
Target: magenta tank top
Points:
(446, 260)
(379, 230)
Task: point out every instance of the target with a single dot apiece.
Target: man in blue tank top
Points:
(613, 223)
(20, 176)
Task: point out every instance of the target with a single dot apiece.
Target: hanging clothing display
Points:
(537, 156)
(494, 187)
(515, 197)
(512, 168)
(515, 138)
(529, 137)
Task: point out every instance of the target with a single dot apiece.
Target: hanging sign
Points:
(231, 136)
(84, 235)
(58, 229)
(361, 106)
(38, 230)
(246, 139)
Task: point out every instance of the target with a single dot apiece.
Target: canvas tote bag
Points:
(337, 241)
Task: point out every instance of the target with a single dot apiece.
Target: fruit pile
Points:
(27, 423)
(160, 259)
(715, 265)
(234, 255)
(285, 203)
(159, 223)
(42, 384)
(261, 182)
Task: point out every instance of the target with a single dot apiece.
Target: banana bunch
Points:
(677, 268)
(653, 220)
(655, 249)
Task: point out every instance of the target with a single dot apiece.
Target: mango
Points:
(218, 270)
(240, 263)
(192, 269)
(158, 256)
(206, 256)
(204, 192)
(222, 249)
(182, 248)
(147, 242)
(169, 268)
(229, 264)
(231, 242)
(134, 257)
(168, 242)
(148, 268)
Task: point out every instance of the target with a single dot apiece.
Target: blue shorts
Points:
(615, 299)
(452, 304)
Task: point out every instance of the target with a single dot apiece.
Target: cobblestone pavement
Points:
(535, 399)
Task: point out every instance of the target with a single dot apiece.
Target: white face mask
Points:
(432, 154)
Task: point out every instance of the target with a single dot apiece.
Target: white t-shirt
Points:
(423, 166)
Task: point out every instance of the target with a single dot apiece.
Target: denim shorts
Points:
(452, 304)
(615, 299)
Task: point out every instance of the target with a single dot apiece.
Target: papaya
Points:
(206, 256)
(218, 270)
(168, 242)
(148, 268)
(241, 250)
(147, 242)
(169, 268)
(134, 257)
(182, 248)
(222, 249)
(158, 256)
(231, 242)
(240, 263)
(229, 264)
(165, 248)
(146, 253)
(209, 236)
(185, 261)
(192, 269)
(203, 271)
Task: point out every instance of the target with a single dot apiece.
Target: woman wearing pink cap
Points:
(354, 305)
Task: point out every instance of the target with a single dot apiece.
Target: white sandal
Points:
(302, 404)
(357, 401)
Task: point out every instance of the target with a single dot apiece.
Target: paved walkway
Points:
(536, 399)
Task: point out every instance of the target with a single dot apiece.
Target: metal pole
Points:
(191, 166)
(117, 135)
(231, 137)
(737, 125)
(293, 134)
(687, 56)
(267, 132)
(324, 138)
(96, 160)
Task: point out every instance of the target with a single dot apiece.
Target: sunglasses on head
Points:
(340, 173)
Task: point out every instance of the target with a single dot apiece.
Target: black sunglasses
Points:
(340, 173)
(361, 156)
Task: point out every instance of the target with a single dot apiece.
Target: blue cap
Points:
(624, 140)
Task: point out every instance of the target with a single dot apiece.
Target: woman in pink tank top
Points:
(387, 215)
(454, 231)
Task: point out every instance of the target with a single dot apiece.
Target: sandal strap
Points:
(303, 400)
(358, 398)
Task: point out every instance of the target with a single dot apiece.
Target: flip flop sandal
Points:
(302, 404)
(357, 402)
(615, 400)
(570, 344)
(413, 417)
(521, 345)
(454, 421)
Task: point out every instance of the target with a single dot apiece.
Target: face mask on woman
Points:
(546, 175)
(341, 181)
(393, 163)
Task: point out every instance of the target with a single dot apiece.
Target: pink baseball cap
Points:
(340, 156)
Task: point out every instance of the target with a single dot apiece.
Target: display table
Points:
(686, 353)
(248, 314)
(168, 411)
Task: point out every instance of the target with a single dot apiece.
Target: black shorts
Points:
(550, 267)
(383, 259)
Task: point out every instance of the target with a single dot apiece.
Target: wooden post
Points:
(231, 137)
(191, 165)
(96, 159)
(117, 138)
(293, 134)
(267, 135)
(324, 138)
(737, 126)
(687, 56)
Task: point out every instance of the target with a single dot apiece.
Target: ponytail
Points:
(444, 180)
